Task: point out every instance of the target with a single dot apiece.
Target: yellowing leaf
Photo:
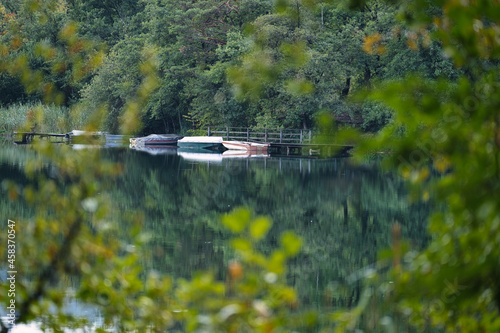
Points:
(235, 270)
(441, 164)
(371, 43)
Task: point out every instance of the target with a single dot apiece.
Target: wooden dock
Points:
(271, 135)
(27, 137)
(310, 149)
(283, 142)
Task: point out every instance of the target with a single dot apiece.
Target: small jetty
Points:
(278, 142)
(282, 142)
(74, 137)
(27, 137)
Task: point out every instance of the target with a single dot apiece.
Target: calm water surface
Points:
(343, 212)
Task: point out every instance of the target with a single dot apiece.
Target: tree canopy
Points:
(423, 73)
(205, 49)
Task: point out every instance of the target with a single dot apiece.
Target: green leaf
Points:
(291, 243)
(276, 262)
(241, 244)
(259, 227)
(295, 53)
(281, 5)
(299, 87)
(237, 220)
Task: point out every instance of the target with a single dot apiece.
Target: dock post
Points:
(301, 135)
(227, 132)
(208, 131)
(248, 134)
(281, 135)
(309, 136)
(265, 134)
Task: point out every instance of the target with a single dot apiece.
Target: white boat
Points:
(204, 142)
(155, 140)
(244, 145)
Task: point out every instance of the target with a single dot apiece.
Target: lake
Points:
(343, 212)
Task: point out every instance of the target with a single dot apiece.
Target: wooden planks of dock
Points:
(283, 142)
(269, 135)
(27, 137)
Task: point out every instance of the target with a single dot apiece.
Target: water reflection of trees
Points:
(344, 213)
(12, 159)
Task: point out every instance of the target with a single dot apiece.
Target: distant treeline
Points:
(330, 52)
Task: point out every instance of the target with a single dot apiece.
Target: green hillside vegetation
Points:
(422, 75)
(319, 51)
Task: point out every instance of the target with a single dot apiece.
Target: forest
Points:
(416, 82)
(323, 54)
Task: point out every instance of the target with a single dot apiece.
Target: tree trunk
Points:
(367, 75)
(347, 87)
(346, 212)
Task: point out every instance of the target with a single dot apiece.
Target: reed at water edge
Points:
(38, 117)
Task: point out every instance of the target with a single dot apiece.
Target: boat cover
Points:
(152, 138)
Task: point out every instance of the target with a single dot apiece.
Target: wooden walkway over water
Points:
(283, 142)
(109, 140)
(27, 137)
(282, 136)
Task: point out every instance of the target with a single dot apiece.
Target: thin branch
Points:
(50, 271)
(497, 143)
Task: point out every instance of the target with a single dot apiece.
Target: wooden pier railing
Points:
(271, 135)
(282, 141)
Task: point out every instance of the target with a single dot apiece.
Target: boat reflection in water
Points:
(159, 150)
(245, 154)
(199, 155)
(200, 142)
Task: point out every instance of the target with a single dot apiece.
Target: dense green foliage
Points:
(317, 50)
(283, 63)
(449, 128)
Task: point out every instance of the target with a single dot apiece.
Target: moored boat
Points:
(203, 142)
(155, 140)
(244, 145)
